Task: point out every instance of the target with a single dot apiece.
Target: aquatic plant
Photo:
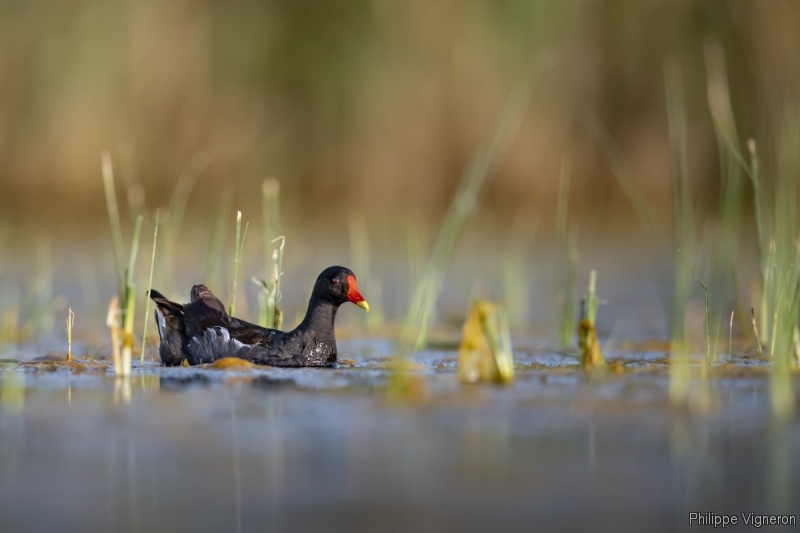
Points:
(485, 352)
(212, 264)
(465, 201)
(682, 253)
(591, 356)
(240, 237)
(122, 340)
(70, 325)
(566, 237)
(113, 216)
(271, 288)
(149, 286)
(269, 313)
(360, 252)
(724, 281)
(129, 307)
(113, 323)
(173, 217)
(708, 321)
(516, 269)
(777, 221)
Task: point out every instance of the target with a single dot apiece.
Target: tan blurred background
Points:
(369, 105)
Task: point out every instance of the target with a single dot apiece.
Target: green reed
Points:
(361, 254)
(39, 304)
(173, 219)
(591, 357)
(680, 385)
(212, 265)
(464, 204)
(113, 216)
(778, 227)
(269, 314)
(516, 273)
(126, 277)
(129, 300)
(566, 237)
(240, 237)
(724, 281)
(270, 297)
(149, 286)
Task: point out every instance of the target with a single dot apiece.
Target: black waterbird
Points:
(202, 331)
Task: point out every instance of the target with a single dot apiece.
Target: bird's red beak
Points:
(354, 296)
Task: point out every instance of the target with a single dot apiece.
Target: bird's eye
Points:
(335, 281)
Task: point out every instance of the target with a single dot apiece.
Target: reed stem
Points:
(240, 237)
(149, 286)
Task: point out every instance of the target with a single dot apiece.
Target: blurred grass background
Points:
(368, 105)
(365, 108)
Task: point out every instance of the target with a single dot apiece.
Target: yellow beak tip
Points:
(363, 305)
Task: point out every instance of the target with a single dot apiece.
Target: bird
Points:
(202, 331)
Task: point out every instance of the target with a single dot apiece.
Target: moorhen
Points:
(202, 331)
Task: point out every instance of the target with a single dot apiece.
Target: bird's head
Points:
(338, 285)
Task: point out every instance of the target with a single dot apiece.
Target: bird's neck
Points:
(320, 317)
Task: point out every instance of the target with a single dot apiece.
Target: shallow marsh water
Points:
(193, 449)
(188, 449)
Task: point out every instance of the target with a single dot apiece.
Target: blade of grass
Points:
(730, 338)
(360, 252)
(277, 276)
(149, 286)
(470, 189)
(237, 259)
(178, 201)
(70, 325)
(568, 252)
(684, 249)
(129, 303)
(113, 216)
(270, 191)
(211, 270)
(732, 164)
(708, 332)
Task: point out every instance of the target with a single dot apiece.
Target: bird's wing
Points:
(252, 334)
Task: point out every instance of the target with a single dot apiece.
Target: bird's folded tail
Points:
(169, 318)
(202, 296)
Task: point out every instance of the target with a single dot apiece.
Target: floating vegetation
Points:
(485, 354)
(230, 363)
(406, 384)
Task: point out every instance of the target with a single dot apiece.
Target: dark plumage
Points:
(202, 331)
